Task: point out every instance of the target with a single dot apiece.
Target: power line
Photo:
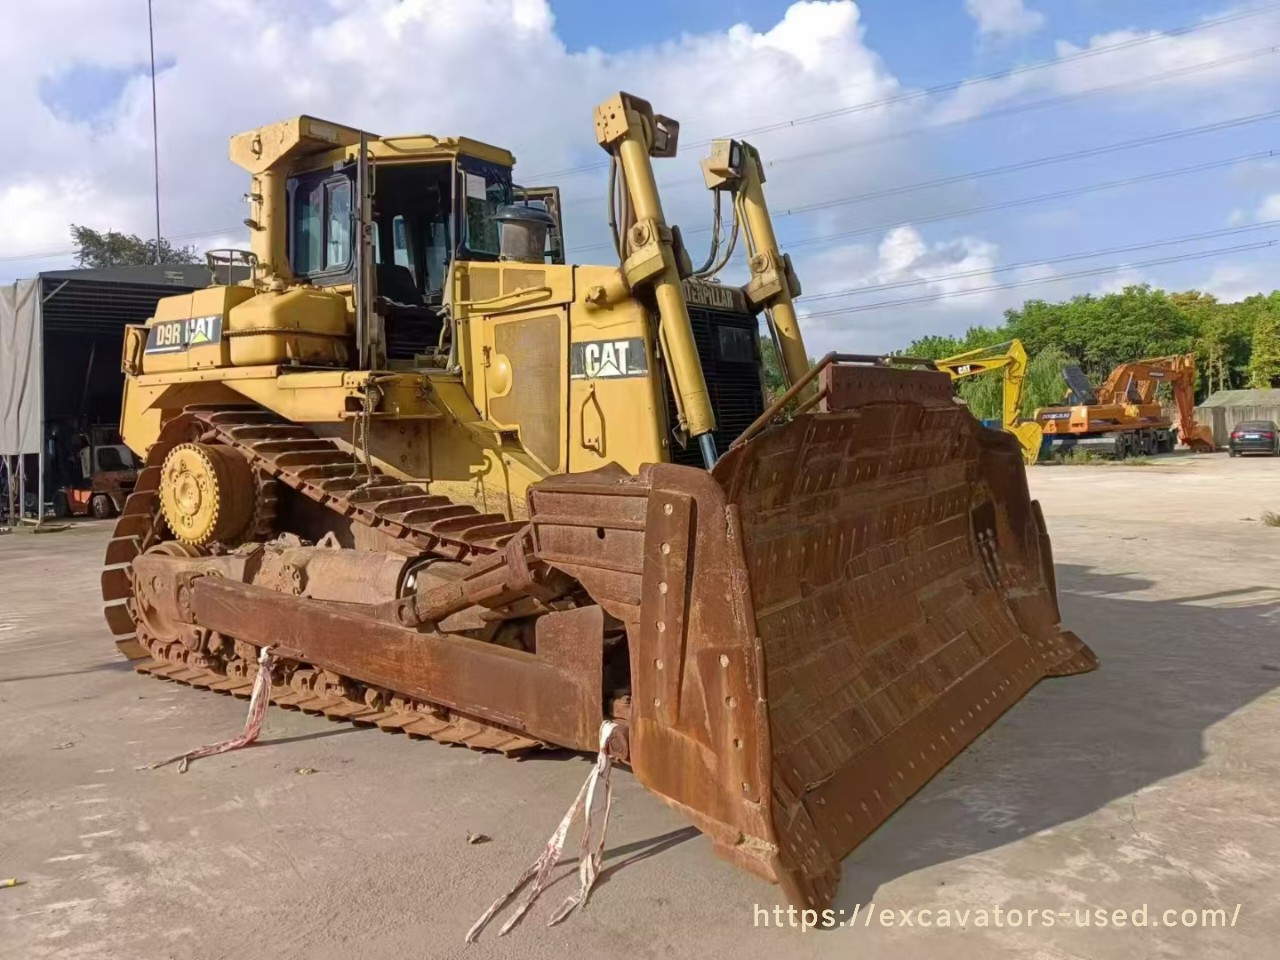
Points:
(1019, 201)
(1015, 284)
(863, 231)
(1041, 198)
(992, 114)
(1025, 165)
(1065, 258)
(907, 188)
(1001, 75)
(955, 84)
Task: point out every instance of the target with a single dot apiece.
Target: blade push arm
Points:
(631, 132)
(734, 167)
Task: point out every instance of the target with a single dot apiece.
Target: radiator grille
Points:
(729, 347)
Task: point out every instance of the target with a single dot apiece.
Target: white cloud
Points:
(235, 64)
(37, 212)
(1270, 208)
(1000, 19)
(915, 268)
(946, 268)
(230, 65)
(1233, 282)
(1242, 81)
(1116, 282)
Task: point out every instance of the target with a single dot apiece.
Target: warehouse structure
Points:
(60, 339)
(1226, 408)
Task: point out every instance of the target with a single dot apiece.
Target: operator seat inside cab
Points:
(412, 327)
(411, 209)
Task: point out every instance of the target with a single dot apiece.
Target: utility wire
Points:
(1017, 202)
(1012, 285)
(902, 134)
(1028, 164)
(954, 84)
(863, 231)
(907, 188)
(1065, 258)
(992, 114)
(932, 218)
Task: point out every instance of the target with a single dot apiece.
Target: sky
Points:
(955, 157)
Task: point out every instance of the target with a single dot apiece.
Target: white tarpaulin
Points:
(20, 367)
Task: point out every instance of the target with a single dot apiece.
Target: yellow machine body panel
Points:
(466, 490)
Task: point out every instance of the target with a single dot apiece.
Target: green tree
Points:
(1044, 386)
(936, 347)
(1260, 315)
(1099, 332)
(1264, 364)
(932, 347)
(1235, 343)
(1223, 340)
(773, 379)
(111, 249)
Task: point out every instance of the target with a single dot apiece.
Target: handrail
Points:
(879, 360)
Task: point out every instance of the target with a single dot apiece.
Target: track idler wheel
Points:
(207, 493)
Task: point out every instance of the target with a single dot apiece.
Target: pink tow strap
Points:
(258, 702)
(591, 850)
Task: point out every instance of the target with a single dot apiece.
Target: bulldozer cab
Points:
(426, 210)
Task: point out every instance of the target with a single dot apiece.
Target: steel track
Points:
(286, 453)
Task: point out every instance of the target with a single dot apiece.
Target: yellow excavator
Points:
(1011, 357)
(467, 491)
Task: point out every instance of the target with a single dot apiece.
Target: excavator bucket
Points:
(824, 621)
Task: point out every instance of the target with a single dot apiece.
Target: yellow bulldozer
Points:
(467, 491)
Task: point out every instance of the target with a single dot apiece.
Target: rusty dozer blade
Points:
(821, 624)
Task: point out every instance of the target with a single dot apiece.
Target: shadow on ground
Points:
(1170, 670)
(117, 666)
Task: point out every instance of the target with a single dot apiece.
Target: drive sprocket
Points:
(207, 493)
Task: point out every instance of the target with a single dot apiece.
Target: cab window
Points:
(485, 188)
(338, 231)
(320, 224)
(401, 242)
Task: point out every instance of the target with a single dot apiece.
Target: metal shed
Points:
(60, 340)
(1226, 408)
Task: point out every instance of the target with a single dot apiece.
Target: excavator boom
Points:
(1011, 357)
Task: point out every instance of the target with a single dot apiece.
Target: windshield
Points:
(485, 188)
(116, 457)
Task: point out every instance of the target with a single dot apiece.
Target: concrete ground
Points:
(1152, 781)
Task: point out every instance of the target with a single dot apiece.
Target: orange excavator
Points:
(1122, 417)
